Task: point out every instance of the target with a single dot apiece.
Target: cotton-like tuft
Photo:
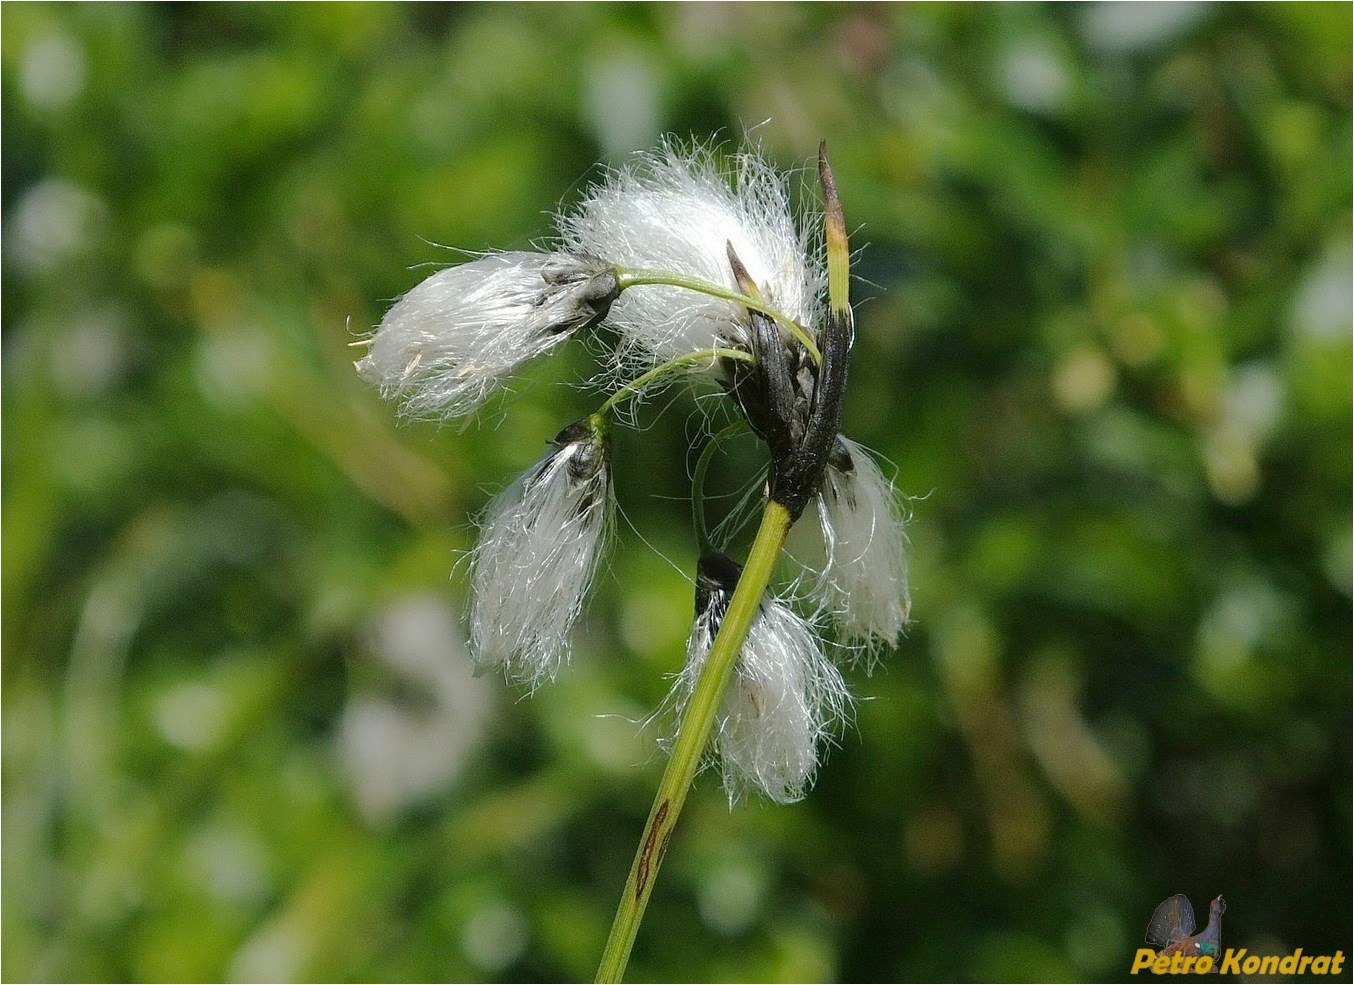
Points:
(676, 211)
(858, 549)
(448, 344)
(784, 699)
(538, 551)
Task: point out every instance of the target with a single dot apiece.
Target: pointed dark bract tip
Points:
(577, 431)
(829, 182)
(740, 273)
(840, 457)
(838, 251)
(592, 453)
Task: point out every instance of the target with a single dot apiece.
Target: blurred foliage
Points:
(1104, 332)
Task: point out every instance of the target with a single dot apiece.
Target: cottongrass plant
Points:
(858, 575)
(704, 272)
(676, 213)
(783, 701)
(453, 340)
(538, 550)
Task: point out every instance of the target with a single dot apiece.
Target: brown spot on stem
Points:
(647, 861)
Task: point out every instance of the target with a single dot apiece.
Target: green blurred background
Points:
(1104, 333)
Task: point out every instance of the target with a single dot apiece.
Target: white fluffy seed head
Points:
(675, 210)
(857, 550)
(448, 344)
(538, 551)
(784, 699)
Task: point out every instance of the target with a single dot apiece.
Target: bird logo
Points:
(1172, 929)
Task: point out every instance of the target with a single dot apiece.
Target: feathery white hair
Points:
(857, 550)
(783, 699)
(675, 210)
(541, 542)
(452, 340)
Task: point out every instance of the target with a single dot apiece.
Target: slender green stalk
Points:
(692, 738)
(634, 387)
(638, 278)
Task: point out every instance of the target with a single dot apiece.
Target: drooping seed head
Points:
(784, 699)
(449, 343)
(856, 550)
(674, 211)
(539, 548)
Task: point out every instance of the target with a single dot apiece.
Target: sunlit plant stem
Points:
(637, 278)
(692, 738)
(797, 465)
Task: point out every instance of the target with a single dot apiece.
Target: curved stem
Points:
(692, 738)
(633, 388)
(698, 485)
(638, 278)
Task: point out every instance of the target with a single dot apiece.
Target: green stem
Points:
(638, 278)
(692, 738)
(633, 388)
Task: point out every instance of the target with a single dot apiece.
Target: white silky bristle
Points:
(675, 211)
(784, 699)
(859, 552)
(541, 542)
(449, 343)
